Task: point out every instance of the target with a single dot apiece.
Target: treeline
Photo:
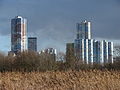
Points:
(30, 61)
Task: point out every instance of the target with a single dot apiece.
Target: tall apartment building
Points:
(18, 34)
(84, 43)
(84, 30)
(90, 50)
(32, 44)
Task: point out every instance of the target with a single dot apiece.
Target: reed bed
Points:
(61, 80)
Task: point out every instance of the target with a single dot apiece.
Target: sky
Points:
(54, 21)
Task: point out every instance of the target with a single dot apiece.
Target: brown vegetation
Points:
(64, 80)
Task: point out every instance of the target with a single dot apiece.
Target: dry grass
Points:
(69, 80)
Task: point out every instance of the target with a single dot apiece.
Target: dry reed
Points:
(64, 80)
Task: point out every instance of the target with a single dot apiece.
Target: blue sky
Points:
(54, 21)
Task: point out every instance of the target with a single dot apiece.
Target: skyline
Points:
(50, 19)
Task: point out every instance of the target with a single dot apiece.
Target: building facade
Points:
(79, 49)
(99, 52)
(90, 50)
(18, 34)
(105, 51)
(84, 50)
(32, 44)
(84, 30)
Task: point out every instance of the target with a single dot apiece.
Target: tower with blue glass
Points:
(18, 34)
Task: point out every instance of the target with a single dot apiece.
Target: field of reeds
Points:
(61, 80)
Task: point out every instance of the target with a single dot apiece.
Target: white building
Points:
(92, 51)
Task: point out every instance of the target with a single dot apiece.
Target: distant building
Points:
(18, 34)
(84, 43)
(89, 50)
(84, 30)
(50, 52)
(32, 44)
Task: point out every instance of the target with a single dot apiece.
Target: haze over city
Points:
(54, 21)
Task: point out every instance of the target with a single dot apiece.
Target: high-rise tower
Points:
(18, 34)
(84, 30)
(84, 43)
